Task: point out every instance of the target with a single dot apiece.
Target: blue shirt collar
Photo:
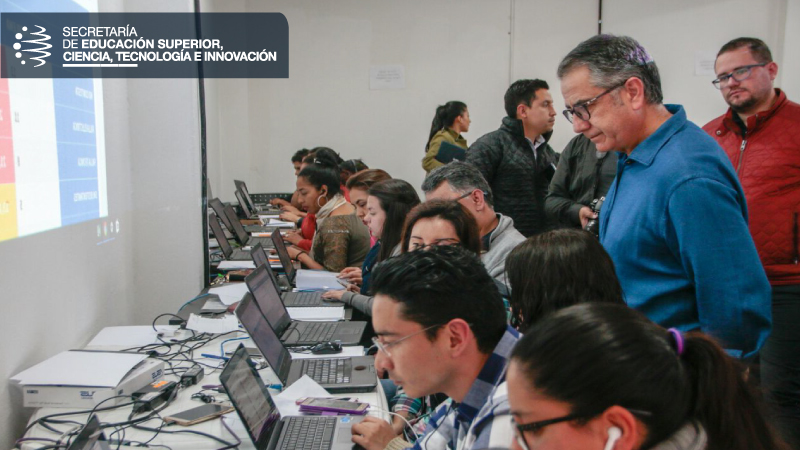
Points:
(647, 150)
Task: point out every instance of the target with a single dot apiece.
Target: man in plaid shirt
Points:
(441, 328)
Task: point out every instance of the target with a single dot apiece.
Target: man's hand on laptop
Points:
(373, 433)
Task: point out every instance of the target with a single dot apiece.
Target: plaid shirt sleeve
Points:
(490, 429)
(404, 403)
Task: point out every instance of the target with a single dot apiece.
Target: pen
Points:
(209, 355)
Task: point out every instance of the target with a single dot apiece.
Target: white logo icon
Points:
(41, 41)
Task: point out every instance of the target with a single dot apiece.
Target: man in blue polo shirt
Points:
(441, 328)
(675, 218)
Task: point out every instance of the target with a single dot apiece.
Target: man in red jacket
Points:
(761, 135)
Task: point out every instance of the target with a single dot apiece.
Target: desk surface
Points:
(183, 401)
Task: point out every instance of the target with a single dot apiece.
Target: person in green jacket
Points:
(450, 121)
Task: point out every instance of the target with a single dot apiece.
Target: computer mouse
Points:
(326, 348)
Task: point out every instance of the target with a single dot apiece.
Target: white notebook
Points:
(324, 314)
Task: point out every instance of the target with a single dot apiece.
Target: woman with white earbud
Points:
(599, 376)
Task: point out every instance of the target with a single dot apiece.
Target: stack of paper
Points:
(280, 223)
(230, 293)
(354, 350)
(221, 325)
(318, 280)
(321, 314)
(236, 265)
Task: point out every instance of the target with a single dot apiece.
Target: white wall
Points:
(449, 52)
(790, 70)
(59, 288)
(451, 49)
(672, 32)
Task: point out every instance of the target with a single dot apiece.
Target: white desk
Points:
(183, 402)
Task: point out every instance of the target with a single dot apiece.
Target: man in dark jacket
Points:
(516, 160)
(583, 175)
(760, 132)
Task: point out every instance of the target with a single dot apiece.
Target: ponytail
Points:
(725, 404)
(323, 170)
(445, 116)
(596, 355)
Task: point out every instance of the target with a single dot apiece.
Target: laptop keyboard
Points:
(305, 298)
(317, 332)
(312, 433)
(328, 371)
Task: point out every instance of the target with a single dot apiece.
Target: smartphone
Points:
(320, 405)
(198, 414)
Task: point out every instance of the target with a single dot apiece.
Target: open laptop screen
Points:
(268, 298)
(264, 337)
(219, 208)
(245, 207)
(260, 258)
(238, 229)
(242, 187)
(283, 254)
(259, 255)
(219, 235)
(250, 398)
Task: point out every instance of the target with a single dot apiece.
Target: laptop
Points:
(337, 375)
(240, 234)
(293, 333)
(252, 213)
(231, 254)
(290, 299)
(219, 208)
(283, 255)
(242, 188)
(267, 429)
(91, 437)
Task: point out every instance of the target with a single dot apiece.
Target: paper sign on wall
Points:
(387, 77)
(704, 64)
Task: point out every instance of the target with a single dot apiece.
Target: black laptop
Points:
(337, 375)
(290, 299)
(283, 255)
(267, 430)
(241, 187)
(219, 208)
(240, 234)
(231, 254)
(294, 333)
(252, 213)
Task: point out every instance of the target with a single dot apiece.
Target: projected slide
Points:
(52, 146)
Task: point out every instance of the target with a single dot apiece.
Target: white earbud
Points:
(614, 434)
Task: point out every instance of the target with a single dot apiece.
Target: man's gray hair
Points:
(462, 178)
(611, 61)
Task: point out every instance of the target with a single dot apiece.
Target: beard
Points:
(744, 105)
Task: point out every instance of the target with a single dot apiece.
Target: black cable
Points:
(85, 411)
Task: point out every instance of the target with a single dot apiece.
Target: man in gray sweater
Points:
(464, 183)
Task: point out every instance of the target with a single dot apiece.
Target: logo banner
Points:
(144, 45)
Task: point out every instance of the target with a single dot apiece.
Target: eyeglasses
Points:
(463, 196)
(738, 74)
(520, 429)
(582, 109)
(384, 347)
